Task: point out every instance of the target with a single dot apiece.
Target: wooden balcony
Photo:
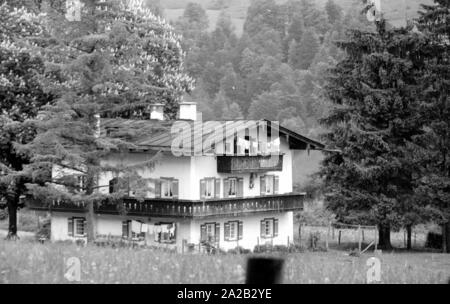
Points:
(246, 164)
(183, 208)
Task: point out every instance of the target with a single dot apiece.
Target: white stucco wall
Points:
(188, 230)
(251, 230)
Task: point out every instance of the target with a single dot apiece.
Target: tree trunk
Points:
(91, 223)
(384, 237)
(12, 217)
(408, 237)
(446, 237)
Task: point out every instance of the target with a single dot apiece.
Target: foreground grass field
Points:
(28, 262)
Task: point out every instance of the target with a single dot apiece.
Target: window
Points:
(133, 229)
(233, 230)
(76, 227)
(209, 188)
(165, 233)
(81, 183)
(269, 228)
(232, 187)
(269, 184)
(210, 233)
(167, 188)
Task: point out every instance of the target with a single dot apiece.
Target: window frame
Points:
(273, 223)
(75, 223)
(232, 180)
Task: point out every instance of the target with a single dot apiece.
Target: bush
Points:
(44, 232)
(239, 250)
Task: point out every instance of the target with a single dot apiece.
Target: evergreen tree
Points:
(301, 54)
(116, 62)
(21, 96)
(434, 186)
(334, 12)
(374, 120)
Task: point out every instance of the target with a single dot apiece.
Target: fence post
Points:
(332, 232)
(326, 237)
(300, 234)
(376, 238)
(359, 239)
(339, 238)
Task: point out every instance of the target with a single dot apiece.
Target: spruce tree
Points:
(434, 186)
(374, 119)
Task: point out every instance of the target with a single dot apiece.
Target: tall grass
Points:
(29, 262)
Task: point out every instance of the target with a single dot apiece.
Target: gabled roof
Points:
(156, 134)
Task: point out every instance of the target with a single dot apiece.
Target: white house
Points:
(230, 193)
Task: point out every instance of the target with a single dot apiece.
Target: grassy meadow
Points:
(26, 261)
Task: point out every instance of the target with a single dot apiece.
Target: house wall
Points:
(188, 230)
(251, 230)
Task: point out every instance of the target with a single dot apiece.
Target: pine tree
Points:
(301, 54)
(434, 186)
(21, 96)
(113, 63)
(334, 12)
(375, 93)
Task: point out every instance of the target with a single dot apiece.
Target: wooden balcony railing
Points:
(184, 208)
(245, 164)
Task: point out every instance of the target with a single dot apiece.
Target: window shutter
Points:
(203, 233)
(226, 187)
(262, 184)
(240, 187)
(217, 233)
(240, 230)
(84, 227)
(70, 226)
(227, 231)
(125, 230)
(217, 188)
(276, 184)
(175, 188)
(157, 188)
(202, 188)
(263, 228)
(275, 227)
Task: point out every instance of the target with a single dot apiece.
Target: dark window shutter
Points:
(276, 184)
(227, 231)
(113, 184)
(70, 226)
(84, 227)
(175, 188)
(203, 237)
(275, 227)
(202, 188)
(263, 228)
(240, 187)
(226, 187)
(217, 188)
(262, 184)
(157, 188)
(217, 233)
(125, 229)
(240, 230)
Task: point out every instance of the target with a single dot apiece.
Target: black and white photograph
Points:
(224, 142)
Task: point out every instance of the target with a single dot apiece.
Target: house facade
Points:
(234, 193)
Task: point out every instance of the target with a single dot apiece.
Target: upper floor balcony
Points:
(246, 164)
(182, 208)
